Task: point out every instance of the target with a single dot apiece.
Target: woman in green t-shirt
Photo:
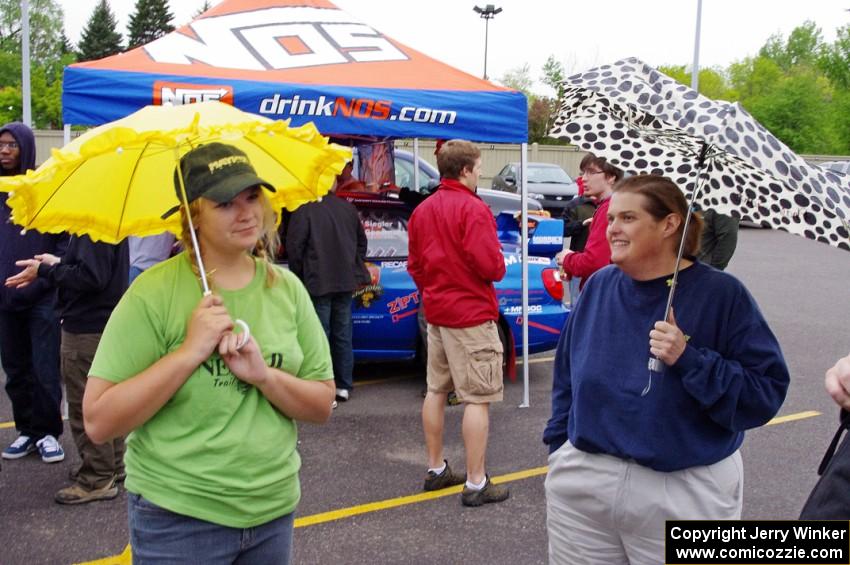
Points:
(211, 422)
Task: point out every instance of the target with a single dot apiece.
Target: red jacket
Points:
(455, 257)
(597, 252)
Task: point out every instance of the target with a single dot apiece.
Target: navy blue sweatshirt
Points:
(91, 279)
(13, 245)
(731, 377)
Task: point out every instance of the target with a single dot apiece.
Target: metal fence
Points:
(494, 156)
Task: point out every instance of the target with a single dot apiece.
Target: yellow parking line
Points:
(793, 417)
(333, 515)
(124, 558)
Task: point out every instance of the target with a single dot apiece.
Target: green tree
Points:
(712, 82)
(834, 59)
(150, 20)
(553, 75)
(802, 48)
(46, 29)
(518, 78)
(204, 7)
(99, 38)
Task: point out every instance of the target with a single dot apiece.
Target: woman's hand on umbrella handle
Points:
(25, 277)
(208, 323)
(666, 341)
(244, 358)
(245, 335)
(837, 382)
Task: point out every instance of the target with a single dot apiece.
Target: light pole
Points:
(487, 13)
(695, 69)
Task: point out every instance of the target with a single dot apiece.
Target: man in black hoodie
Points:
(91, 278)
(29, 328)
(326, 246)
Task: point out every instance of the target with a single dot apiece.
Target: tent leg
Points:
(415, 165)
(526, 402)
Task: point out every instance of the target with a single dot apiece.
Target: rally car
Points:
(385, 311)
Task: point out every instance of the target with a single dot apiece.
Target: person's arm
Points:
(481, 244)
(297, 236)
(725, 240)
(555, 434)
(596, 253)
(91, 268)
(414, 253)
(115, 409)
(837, 382)
(742, 389)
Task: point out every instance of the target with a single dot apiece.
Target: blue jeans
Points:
(159, 536)
(334, 311)
(29, 350)
(134, 272)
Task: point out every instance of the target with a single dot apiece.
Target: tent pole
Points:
(415, 165)
(66, 134)
(524, 195)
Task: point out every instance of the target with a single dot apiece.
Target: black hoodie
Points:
(13, 245)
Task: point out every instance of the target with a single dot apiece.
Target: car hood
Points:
(553, 189)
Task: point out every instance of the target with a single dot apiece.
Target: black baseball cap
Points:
(216, 171)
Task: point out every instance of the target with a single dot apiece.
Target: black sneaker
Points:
(490, 493)
(447, 478)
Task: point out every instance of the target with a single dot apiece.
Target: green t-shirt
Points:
(217, 450)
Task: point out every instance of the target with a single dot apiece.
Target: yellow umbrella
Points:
(117, 179)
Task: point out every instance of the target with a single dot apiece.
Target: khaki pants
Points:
(602, 510)
(468, 360)
(100, 463)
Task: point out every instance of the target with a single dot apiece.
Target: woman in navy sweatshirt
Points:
(621, 463)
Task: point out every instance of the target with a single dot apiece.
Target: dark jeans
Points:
(334, 312)
(100, 463)
(29, 350)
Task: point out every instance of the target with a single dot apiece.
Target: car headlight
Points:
(536, 196)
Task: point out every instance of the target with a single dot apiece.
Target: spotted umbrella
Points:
(645, 122)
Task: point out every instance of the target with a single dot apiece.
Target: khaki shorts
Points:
(466, 360)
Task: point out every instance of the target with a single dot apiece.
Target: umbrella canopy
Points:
(645, 122)
(118, 179)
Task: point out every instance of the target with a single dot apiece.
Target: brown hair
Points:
(265, 249)
(454, 156)
(663, 198)
(602, 164)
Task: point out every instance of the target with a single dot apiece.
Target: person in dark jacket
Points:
(29, 328)
(326, 246)
(91, 278)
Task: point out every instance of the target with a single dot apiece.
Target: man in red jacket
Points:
(599, 177)
(454, 258)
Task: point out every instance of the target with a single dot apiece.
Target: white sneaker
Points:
(50, 450)
(342, 394)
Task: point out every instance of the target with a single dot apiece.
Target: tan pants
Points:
(466, 360)
(602, 510)
(100, 463)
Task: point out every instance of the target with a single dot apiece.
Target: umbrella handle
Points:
(245, 335)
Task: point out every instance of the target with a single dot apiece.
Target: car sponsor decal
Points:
(177, 93)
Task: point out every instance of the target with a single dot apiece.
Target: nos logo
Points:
(275, 38)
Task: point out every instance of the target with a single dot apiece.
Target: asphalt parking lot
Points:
(362, 473)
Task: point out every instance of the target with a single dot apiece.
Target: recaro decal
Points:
(275, 38)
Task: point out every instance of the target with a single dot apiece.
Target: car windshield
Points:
(548, 175)
(386, 232)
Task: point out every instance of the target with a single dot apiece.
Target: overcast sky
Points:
(581, 34)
